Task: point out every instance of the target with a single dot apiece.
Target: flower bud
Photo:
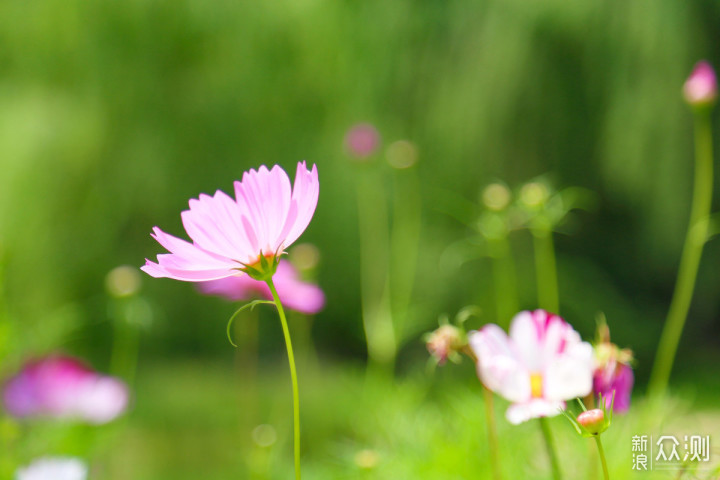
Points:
(444, 342)
(534, 194)
(123, 281)
(700, 89)
(402, 154)
(496, 196)
(593, 421)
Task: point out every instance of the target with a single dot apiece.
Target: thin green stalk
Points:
(503, 268)
(550, 448)
(293, 376)
(374, 261)
(602, 457)
(126, 343)
(692, 251)
(492, 434)
(404, 243)
(546, 270)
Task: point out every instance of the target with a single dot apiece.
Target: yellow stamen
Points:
(536, 384)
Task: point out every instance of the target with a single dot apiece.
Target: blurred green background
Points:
(114, 114)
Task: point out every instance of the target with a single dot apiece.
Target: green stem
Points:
(492, 434)
(503, 268)
(126, 342)
(690, 260)
(546, 270)
(550, 448)
(293, 375)
(404, 244)
(374, 267)
(602, 457)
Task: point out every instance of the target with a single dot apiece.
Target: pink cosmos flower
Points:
(265, 218)
(701, 87)
(63, 387)
(295, 294)
(362, 140)
(540, 365)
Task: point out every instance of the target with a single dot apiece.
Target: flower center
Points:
(262, 269)
(536, 382)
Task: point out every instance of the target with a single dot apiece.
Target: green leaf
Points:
(250, 305)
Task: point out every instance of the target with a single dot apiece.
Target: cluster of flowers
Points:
(542, 363)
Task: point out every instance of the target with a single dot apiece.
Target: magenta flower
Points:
(618, 378)
(700, 89)
(295, 294)
(540, 365)
(362, 140)
(229, 235)
(613, 373)
(63, 387)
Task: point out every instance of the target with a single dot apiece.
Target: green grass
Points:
(196, 420)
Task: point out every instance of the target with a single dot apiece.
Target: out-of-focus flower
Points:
(362, 140)
(445, 342)
(53, 468)
(294, 294)
(613, 373)
(63, 387)
(247, 234)
(540, 365)
(700, 89)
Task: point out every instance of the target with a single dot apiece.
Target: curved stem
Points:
(550, 448)
(293, 375)
(602, 457)
(690, 260)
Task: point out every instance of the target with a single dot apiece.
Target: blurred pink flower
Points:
(265, 218)
(63, 387)
(613, 373)
(701, 87)
(540, 365)
(362, 140)
(53, 468)
(294, 294)
(616, 377)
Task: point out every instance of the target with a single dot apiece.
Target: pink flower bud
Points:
(593, 421)
(700, 89)
(362, 140)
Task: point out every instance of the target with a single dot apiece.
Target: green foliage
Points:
(114, 114)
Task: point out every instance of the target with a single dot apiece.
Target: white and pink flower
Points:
(542, 363)
(54, 468)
